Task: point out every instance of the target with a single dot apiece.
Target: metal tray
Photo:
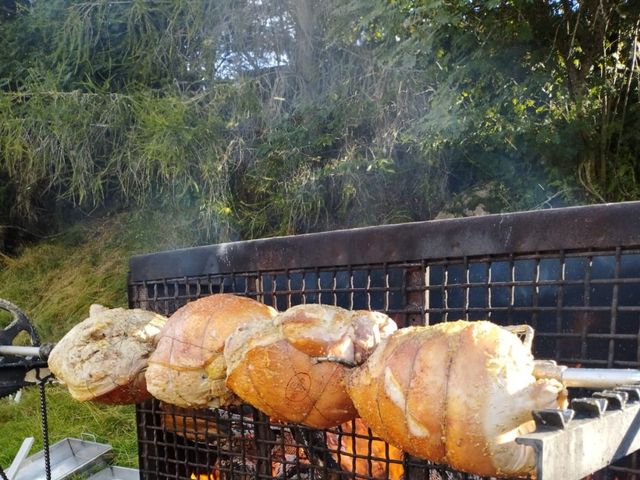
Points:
(68, 456)
(116, 473)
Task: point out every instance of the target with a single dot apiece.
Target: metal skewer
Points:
(22, 351)
(596, 378)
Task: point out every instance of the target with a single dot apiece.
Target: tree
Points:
(556, 81)
(268, 116)
(228, 107)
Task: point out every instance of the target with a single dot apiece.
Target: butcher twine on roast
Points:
(457, 393)
(293, 368)
(187, 368)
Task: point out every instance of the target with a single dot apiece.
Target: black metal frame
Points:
(571, 273)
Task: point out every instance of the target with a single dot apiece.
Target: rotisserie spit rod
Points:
(25, 351)
(596, 378)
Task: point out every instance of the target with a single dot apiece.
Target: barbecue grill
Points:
(572, 274)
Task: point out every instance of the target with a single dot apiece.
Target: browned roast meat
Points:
(457, 393)
(293, 367)
(103, 358)
(188, 368)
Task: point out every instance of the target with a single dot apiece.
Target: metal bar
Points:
(535, 296)
(560, 303)
(415, 298)
(614, 309)
(594, 378)
(585, 445)
(592, 227)
(19, 351)
(599, 377)
(27, 443)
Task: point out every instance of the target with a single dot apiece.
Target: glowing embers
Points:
(234, 443)
(242, 444)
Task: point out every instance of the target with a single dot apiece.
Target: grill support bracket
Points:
(585, 445)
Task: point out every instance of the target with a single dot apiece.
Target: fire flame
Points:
(204, 476)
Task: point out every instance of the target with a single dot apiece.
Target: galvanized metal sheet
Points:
(116, 473)
(68, 456)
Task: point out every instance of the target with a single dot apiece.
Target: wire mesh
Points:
(584, 306)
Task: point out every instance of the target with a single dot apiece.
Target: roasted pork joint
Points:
(293, 368)
(103, 358)
(457, 393)
(187, 368)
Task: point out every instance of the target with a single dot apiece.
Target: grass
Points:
(55, 282)
(66, 418)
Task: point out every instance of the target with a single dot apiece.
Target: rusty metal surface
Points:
(572, 274)
(593, 227)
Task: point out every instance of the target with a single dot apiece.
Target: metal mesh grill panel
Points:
(584, 306)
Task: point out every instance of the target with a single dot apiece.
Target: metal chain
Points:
(22, 322)
(45, 428)
(45, 432)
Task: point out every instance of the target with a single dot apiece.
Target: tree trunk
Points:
(305, 13)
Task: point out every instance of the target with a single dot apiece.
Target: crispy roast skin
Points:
(103, 358)
(187, 368)
(457, 393)
(293, 368)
